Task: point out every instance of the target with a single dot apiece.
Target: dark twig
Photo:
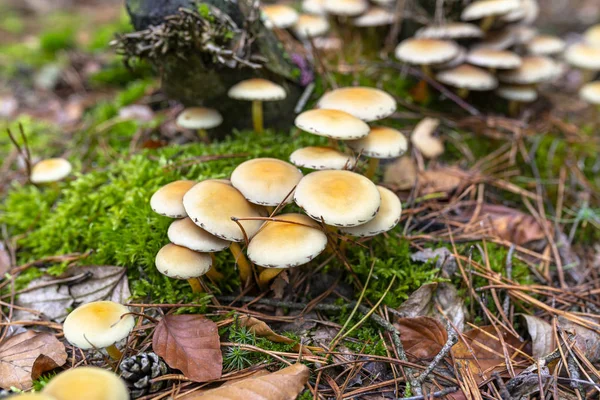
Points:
(434, 395)
(509, 266)
(451, 341)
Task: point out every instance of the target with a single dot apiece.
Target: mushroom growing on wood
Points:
(86, 383)
(99, 325)
(168, 200)
(50, 170)
(257, 90)
(199, 119)
(179, 262)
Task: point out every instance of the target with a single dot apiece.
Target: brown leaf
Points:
(4, 261)
(542, 336)
(284, 384)
(403, 174)
(19, 353)
(191, 344)
(487, 354)
(423, 140)
(259, 328)
(422, 337)
(587, 340)
(42, 364)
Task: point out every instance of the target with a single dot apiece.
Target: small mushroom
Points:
(333, 124)
(375, 16)
(368, 104)
(498, 40)
(423, 140)
(426, 52)
(590, 92)
(488, 10)
(86, 383)
(321, 158)
(315, 7)
(533, 70)
(466, 78)
(592, 35)
(451, 30)
(527, 13)
(279, 16)
(257, 90)
(99, 325)
(382, 142)
(50, 170)
(516, 95)
(386, 219)
(199, 119)
(346, 8)
(168, 200)
(338, 198)
(545, 45)
(584, 57)
(178, 262)
(494, 59)
(287, 241)
(310, 26)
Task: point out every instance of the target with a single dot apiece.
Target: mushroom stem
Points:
(426, 69)
(212, 273)
(202, 135)
(195, 284)
(243, 264)
(513, 108)
(270, 209)
(487, 22)
(372, 168)
(332, 143)
(463, 93)
(587, 75)
(267, 275)
(113, 352)
(257, 116)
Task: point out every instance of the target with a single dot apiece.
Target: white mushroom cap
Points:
(583, 56)
(527, 13)
(50, 170)
(426, 51)
(98, 324)
(386, 219)
(375, 16)
(592, 35)
(534, 69)
(382, 142)
(423, 140)
(483, 8)
(183, 232)
(545, 45)
(287, 244)
(468, 77)
(339, 198)
(498, 40)
(349, 8)
(368, 104)
(309, 25)
(89, 383)
(460, 58)
(590, 92)
(199, 118)
(279, 15)
(523, 33)
(266, 181)
(168, 200)
(451, 30)
(321, 158)
(523, 94)
(488, 58)
(316, 7)
(211, 205)
(257, 89)
(334, 124)
(179, 262)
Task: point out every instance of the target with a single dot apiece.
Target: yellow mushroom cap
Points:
(50, 170)
(468, 77)
(321, 158)
(199, 118)
(266, 181)
(87, 383)
(534, 69)
(257, 89)
(339, 198)
(484, 8)
(592, 35)
(423, 51)
(583, 56)
(287, 244)
(490, 58)
(368, 104)
(451, 30)
(590, 92)
(309, 25)
(168, 200)
(211, 205)
(279, 15)
(33, 396)
(382, 142)
(183, 232)
(348, 8)
(386, 219)
(98, 324)
(179, 262)
(545, 45)
(334, 124)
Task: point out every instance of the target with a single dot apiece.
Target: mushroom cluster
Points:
(588, 54)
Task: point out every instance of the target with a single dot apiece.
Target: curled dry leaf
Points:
(261, 329)
(542, 336)
(29, 353)
(402, 174)
(424, 141)
(422, 337)
(284, 384)
(191, 344)
(484, 353)
(587, 340)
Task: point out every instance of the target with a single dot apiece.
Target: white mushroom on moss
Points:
(86, 383)
(386, 219)
(321, 158)
(168, 200)
(199, 119)
(517, 95)
(50, 170)
(99, 325)
(178, 262)
(257, 91)
(381, 143)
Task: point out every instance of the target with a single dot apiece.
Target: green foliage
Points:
(42, 381)
(57, 39)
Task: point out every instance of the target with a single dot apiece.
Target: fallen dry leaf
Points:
(261, 329)
(587, 340)
(79, 285)
(191, 344)
(284, 384)
(422, 337)
(487, 355)
(424, 141)
(403, 174)
(20, 356)
(4, 261)
(542, 336)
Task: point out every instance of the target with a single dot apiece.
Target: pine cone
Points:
(139, 369)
